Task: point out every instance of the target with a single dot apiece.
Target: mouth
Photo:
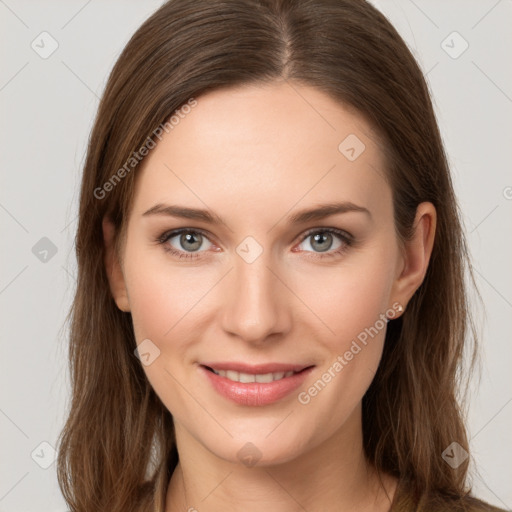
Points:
(255, 385)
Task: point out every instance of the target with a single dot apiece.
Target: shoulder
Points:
(465, 504)
(477, 505)
(406, 501)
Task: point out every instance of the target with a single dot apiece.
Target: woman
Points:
(221, 357)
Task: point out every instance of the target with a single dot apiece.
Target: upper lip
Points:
(256, 369)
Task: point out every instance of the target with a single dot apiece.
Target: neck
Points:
(333, 476)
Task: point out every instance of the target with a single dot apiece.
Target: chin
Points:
(260, 448)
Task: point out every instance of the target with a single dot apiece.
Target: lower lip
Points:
(255, 393)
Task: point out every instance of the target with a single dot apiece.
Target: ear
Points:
(416, 254)
(113, 267)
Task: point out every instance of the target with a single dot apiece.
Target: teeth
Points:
(265, 377)
(246, 377)
(249, 377)
(232, 375)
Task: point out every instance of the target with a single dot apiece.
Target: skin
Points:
(254, 155)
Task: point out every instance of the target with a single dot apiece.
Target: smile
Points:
(256, 385)
(248, 377)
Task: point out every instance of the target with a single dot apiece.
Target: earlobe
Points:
(113, 267)
(416, 253)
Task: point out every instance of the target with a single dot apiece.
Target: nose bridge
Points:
(254, 308)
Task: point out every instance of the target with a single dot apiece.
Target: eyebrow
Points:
(316, 213)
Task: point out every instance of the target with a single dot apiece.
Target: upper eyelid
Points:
(336, 231)
(175, 232)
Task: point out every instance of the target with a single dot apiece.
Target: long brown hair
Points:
(117, 449)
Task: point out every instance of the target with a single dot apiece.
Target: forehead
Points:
(264, 147)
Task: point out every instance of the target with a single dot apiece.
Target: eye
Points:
(186, 243)
(323, 240)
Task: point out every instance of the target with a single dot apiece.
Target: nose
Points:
(257, 303)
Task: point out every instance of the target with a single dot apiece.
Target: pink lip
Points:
(256, 393)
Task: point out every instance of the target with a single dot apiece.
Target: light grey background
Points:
(47, 108)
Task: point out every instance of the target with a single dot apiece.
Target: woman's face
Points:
(268, 284)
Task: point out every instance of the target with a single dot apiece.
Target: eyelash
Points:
(345, 237)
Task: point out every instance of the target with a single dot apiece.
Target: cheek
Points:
(351, 301)
(161, 296)
(353, 307)
(161, 303)
(166, 307)
(351, 297)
